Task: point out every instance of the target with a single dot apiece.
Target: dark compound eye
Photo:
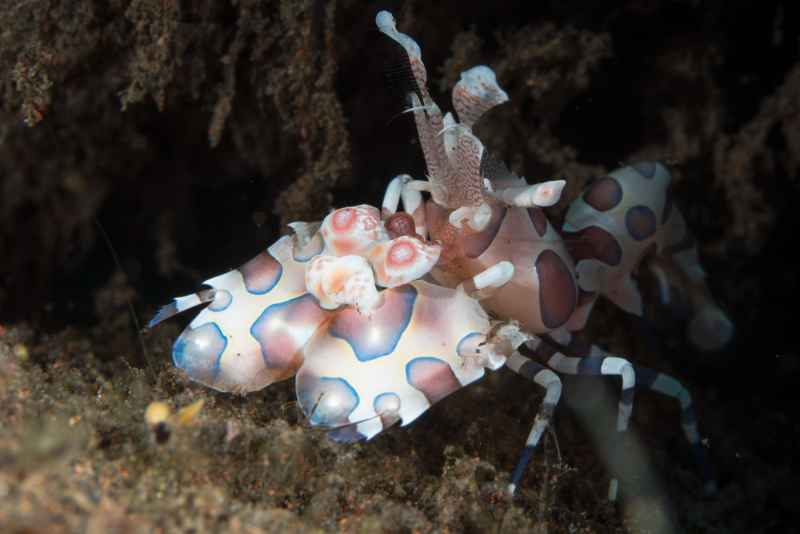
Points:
(400, 224)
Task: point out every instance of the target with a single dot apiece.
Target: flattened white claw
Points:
(402, 260)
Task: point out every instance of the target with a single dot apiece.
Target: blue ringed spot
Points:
(604, 194)
(326, 401)
(283, 328)
(432, 377)
(386, 403)
(469, 344)
(222, 299)
(261, 274)
(314, 251)
(640, 222)
(198, 351)
(647, 169)
(378, 335)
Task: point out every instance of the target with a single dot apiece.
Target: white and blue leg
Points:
(669, 386)
(547, 379)
(596, 363)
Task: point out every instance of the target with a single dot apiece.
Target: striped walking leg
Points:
(667, 385)
(596, 363)
(552, 384)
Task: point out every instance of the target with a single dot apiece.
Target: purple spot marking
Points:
(261, 274)
(222, 299)
(604, 194)
(539, 220)
(594, 242)
(318, 245)
(378, 335)
(387, 406)
(274, 328)
(326, 401)
(641, 222)
(385, 401)
(432, 377)
(199, 350)
(469, 344)
(645, 168)
(558, 295)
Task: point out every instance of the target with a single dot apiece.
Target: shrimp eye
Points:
(400, 224)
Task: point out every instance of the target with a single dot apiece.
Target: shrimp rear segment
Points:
(362, 374)
(342, 307)
(613, 225)
(625, 218)
(259, 318)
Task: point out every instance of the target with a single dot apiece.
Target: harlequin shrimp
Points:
(482, 213)
(363, 359)
(380, 313)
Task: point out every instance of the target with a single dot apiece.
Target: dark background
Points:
(189, 133)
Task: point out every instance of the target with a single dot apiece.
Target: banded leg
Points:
(596, 363)
(552, 384)
(667, 385)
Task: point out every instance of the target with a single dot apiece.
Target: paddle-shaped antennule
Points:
(476, 93)
(452, 154)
